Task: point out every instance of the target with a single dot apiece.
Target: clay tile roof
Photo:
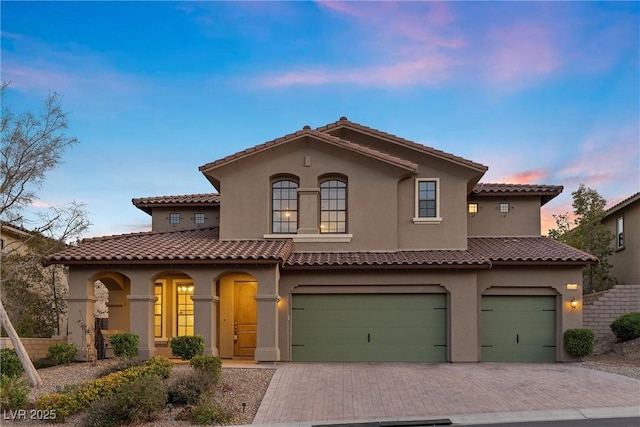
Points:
(547, 192)
(482, 252)
(173, 247)
(195, 200)
(528, 250)
(388, 158)
(344, 122)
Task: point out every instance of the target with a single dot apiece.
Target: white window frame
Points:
(426, 220)
(620, 232)
(163, 284)
(198, 215)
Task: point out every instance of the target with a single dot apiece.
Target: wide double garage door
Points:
(369, 328)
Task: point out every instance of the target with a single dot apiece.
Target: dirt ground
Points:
(608, 350)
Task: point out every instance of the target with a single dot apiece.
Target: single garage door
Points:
(518, 329)
(369, 328)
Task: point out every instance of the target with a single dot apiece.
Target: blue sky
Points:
(541, 92)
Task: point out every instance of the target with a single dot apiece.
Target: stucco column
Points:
(308, 210)
(463, 319)
(205, 309)
(141, 323)
(267, 298)
(80, 309)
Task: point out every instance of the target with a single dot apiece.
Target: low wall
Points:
(36, 347)
(602, 308)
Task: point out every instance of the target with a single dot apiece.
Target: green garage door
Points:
(369, 328)
(518, 329)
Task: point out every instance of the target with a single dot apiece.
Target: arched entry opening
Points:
(173, 310)
(238, 321)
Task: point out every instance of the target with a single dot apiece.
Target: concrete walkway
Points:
(338, 392)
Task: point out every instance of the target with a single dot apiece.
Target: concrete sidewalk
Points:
(315, 393)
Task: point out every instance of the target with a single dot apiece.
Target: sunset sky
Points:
(541, 92)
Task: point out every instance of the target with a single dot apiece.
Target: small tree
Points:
(586, 232)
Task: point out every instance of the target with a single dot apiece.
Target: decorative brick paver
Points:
(359, 391)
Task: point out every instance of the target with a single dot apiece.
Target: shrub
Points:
(627, 326)
(124, 345)
(187, 389)
(10, 363)
(62, 353)
(188, 346)
(119, 365)
(137, 401)
(13, 393)
(210, 366)
(44, 362)
(206, 414)
(578, 342)
(79, 396)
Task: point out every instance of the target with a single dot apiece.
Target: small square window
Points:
(504, 207)
(198, 218)
(473, 208)
(174, 218)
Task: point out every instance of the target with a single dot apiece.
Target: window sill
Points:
(620, 248)
(437, 220)
(312, 238)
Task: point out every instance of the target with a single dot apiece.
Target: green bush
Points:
(188, 346)
(140, 400)
(10, 363)
(578, 342)
(13, 393)
(210, 366)
(118, 365)
(627, 326)
(79, 396)
(62, 353)
(124, 345)
(187, 389)
(207, 414)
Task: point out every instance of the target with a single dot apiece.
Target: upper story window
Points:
(284, 206)
(504, 207)
(620, 233)
(473, 208)
(198, 218)
(427, 209)
(333, 206)
(174, 218)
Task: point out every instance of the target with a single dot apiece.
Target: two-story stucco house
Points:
(341, 243)
(623, 220)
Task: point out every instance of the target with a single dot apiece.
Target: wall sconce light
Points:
(574, 303)
(572, 286)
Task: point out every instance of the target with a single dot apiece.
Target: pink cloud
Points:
(425, 71)
(519, 51)
(526, 177)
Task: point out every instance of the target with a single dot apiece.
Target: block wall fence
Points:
(602, 308)
(36, 347)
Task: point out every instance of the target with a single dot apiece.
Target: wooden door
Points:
(245, 319)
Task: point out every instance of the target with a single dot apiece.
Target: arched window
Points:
(333, 206)
(284, 206)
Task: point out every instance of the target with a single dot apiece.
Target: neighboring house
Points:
(341, 243)
(623, 220)
(13, 241)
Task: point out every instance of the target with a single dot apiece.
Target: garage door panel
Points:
(377, 327)
(518, 329)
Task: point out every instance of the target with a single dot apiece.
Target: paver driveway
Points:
(359, 391)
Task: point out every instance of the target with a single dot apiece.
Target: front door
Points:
(245, 319)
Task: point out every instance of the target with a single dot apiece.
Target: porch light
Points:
(574, 303)
(572, 286)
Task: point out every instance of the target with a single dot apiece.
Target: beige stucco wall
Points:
(625, 265)
(381, 197)
(160, 218)
(523, 218)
